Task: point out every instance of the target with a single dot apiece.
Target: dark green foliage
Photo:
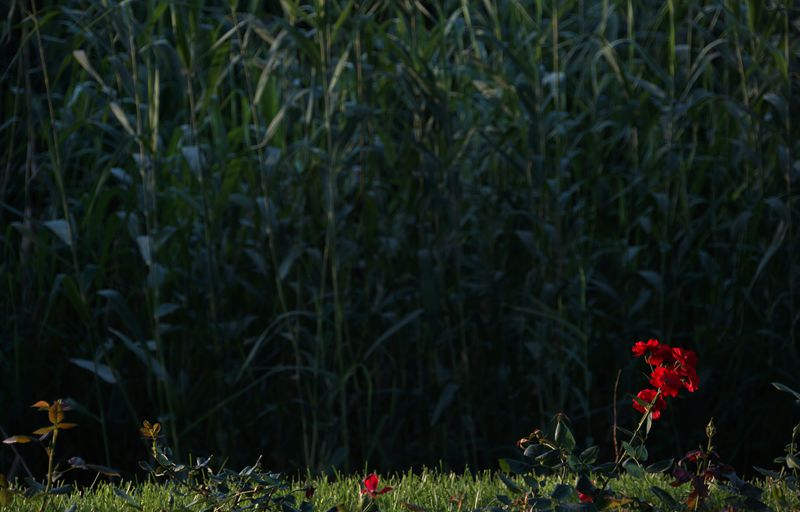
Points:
(395, 231)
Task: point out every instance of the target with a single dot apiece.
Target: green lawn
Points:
(427, 490)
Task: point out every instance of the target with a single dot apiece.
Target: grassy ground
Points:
(427, 490)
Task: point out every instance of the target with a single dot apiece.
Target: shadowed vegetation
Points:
(395, 231)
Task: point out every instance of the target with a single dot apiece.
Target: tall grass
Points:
(395, 231)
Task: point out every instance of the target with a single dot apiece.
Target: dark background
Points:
(392, 232)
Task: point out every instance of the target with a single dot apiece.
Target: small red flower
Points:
(648, 395)
(669, 381)
(654, 351)
(690, 380)
(641, 348)
(371, 486)
(585, 498)
(685, 357)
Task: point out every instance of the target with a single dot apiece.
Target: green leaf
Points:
(445, 399)
(83, 60)
(103, 470)
(103, 371)
(576, 507)
(562, 492)
(515, 467)
(792, 461)
(512, 486)
(787, 389)
(633, 469)
(660, 466)
(584, 485)
(61, 229)
(121, 117)
(392, 330)
(64, 489)
(665, 497)
(589, 455)
(767, 472)
(127, 498)
(564, 438)
(636, 452)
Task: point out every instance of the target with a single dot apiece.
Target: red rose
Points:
(654, 351)
(640, 347)
(669, 381)
(648, 395)
(685, 357)
(690, 379)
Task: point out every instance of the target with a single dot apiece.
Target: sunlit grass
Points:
(431, 491)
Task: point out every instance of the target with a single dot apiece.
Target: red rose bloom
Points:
(648, 395)
(690, 379)
(640, 348)
(685, 357)
(654, 351)
(669, 381)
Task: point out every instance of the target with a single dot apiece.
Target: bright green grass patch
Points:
(428, 490)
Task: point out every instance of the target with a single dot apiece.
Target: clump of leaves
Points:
(249, 488)
(788, 472)
(47, 439)
(554, 453)
(703, 467)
